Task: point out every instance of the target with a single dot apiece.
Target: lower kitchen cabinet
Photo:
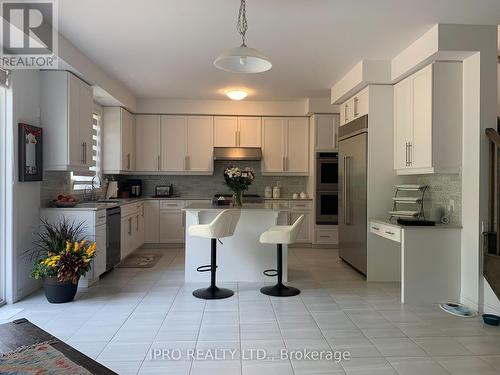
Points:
(304, 235)
(132, 228)
(326, 235)
(151, 221)
(171, 226)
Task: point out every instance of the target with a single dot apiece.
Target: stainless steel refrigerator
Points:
(353, 150)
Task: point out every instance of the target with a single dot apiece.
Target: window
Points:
(82, 182)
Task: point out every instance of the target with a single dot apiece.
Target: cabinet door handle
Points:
(283, 162)
(407, 151)
(83, 152)
(129, 226)
(137, 224)
(159, 162)
(107, 236)
(375, 228)
(236, 138)
(346, 183)
(345, 113)
(186, 163)
(356, 99)
(128, 161)
(410, 153)
(391, 233)
(239, 138)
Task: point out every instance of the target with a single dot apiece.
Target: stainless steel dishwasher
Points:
(113, 237)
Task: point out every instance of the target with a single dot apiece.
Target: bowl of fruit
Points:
(65, 201)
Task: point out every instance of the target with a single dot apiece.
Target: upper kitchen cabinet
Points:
(428, 120)
(326, 129)
(354, 107)
(187, 144)
(118, 140)
(285, 146)
(147, 143)
(66, 116)
(232, 131)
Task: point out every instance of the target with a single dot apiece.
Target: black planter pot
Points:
(59, 292)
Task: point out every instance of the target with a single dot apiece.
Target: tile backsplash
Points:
(207, 186)
(442, 188)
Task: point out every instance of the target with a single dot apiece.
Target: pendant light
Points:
(242, 59)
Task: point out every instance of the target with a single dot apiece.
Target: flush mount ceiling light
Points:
(236, 94)
(242, 59)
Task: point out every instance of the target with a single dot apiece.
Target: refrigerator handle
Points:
(346, 187)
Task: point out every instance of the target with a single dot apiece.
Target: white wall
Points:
(25, 195)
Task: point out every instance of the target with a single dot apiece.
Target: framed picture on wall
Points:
(30, 153)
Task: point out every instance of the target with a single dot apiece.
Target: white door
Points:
(402, 123)
(86, 108)
(76, 155)
(249, 131)
(147, 143)
(273, 144)
(151, 221)
(421, 146)
(297, 152)
(200, 145)
(173, 143)
(171, 227)
(225, 131)
(326, 132)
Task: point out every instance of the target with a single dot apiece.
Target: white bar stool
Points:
(222, 226)
(280, 234)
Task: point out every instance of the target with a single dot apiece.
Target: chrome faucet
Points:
(92, 188)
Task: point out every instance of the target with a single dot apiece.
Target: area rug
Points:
(140, 260)
(39, 359)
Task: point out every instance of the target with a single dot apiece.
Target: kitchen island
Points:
(240, 257)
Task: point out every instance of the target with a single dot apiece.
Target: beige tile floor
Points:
(130, 313)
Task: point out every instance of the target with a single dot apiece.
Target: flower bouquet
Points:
(238, 180)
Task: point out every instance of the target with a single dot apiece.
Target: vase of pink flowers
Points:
(238, 180)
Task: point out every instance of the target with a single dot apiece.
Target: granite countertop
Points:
(246, 206)
(396, 225)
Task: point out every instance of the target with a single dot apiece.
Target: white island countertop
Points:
(202, 206)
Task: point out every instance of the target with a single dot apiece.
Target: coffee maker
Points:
(134, 186)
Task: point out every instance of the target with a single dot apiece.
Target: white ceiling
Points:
(165, 48)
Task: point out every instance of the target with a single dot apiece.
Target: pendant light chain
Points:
(242, 25)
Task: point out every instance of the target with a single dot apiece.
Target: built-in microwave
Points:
(327, 208)
(327, 171)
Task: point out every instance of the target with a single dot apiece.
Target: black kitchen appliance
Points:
(113, 237)
(162, 191)
(134, 186)
(327, 171)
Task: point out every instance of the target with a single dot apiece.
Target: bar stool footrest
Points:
(271, 273)
(206, 268)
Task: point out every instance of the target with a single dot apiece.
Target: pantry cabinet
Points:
(66, 106)
(118, 140)
(326, 128)
(186, 144)
(285, 146)
(354, 107)
(233, 131)
(428, 120)
(147, 143)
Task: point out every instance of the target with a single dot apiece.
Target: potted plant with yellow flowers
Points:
(62, 256)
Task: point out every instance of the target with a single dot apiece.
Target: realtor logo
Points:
(29, 34)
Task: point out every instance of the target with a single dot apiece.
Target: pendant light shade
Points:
(242, 60)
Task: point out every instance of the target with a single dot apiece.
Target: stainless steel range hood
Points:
(237, 153)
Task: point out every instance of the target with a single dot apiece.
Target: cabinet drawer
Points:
(277, 205)
(171, 205)
(129, 209)
(100, 217)
(387, 231)
(301, 206)
(327, 236)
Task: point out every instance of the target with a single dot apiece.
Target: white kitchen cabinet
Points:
(285, 146)
(326, 132)
(232, 131)
(171, 227)
(151, 221)
(427, 120)
(304, 235)
(147, 143)
(66, 116)
(132, 232)
(326, 235)
(187, 144)
(138, 237)
(226, 131)
(200, 144)
(354, 107)
(99, 264)
(118, 140)
(173, 143)
(126, 245)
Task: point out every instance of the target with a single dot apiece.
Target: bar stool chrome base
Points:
(213, 292)
(280, 290)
